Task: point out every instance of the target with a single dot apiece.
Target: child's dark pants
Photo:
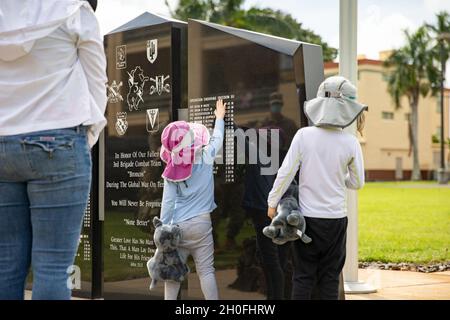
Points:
(319, 263)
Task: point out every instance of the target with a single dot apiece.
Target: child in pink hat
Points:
(189, 151)
(180, 142)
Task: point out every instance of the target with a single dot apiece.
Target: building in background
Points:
(385, 142)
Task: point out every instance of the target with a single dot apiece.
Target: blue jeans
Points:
(45, 180)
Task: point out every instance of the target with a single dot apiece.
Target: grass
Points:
(404, 222)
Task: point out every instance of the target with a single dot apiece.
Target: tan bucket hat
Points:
(335, 104)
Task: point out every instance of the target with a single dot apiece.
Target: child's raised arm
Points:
(216, 141)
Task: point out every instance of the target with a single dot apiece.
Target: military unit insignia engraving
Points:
(121, 57)
(136, 82)
(121, 123)
(159, 86)
(136, 88)
(152, 120)
(114, 95)
(152, 50)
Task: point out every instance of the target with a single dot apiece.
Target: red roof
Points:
(362, 62)
(335, 65)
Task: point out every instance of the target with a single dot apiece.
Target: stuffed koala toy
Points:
(289, 224)
(166, 264)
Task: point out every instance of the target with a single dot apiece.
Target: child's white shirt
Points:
(330, 161)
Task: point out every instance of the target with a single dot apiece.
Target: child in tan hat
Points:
(329, 161)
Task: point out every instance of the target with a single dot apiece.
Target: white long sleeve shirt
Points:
(52, 67)
(330, 161)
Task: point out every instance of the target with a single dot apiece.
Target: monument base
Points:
(358, 287)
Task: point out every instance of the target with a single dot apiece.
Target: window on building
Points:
(407, 116)
(438, 104)
(438, 132)
(387, 115)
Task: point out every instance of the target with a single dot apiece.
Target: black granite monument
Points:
(264, 81)
(146, 85)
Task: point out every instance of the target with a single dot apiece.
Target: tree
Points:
(441, 27)
(266, 20)
(413, 73)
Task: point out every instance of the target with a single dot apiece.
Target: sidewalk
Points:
(404, 285)
(391, 285)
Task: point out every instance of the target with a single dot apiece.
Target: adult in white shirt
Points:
(329, 161)
(52, 103)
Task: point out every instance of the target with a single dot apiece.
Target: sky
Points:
(380, 22)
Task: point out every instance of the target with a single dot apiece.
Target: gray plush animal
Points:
(289, 224)
(166, 264)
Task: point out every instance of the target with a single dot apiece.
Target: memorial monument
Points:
(265, 81)
(146, 85)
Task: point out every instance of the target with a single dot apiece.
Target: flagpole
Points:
(348, 68)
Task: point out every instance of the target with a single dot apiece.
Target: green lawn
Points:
(404, 222)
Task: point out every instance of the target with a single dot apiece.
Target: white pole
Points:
(348, 68)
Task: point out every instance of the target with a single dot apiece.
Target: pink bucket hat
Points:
(180, 142)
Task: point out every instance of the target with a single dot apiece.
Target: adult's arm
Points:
(91, 54)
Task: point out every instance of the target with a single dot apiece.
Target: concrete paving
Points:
(391, 285)
(404, 285)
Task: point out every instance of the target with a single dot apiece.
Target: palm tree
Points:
(441, 52)
(266, 20)
(442, 27)
(413, 74)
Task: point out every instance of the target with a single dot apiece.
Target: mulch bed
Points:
(403, 266)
